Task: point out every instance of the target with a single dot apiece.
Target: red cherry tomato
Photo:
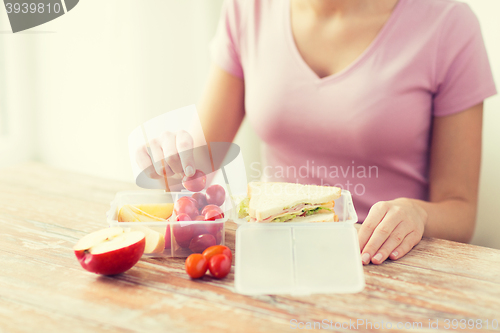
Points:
(196, 182)
(186, 205)
(196, 265)
(217, 249)
(211, 207)
(212, 215)
(183, 233)
(219, 266)
(216, 195)
(168, 240)
(201, 200)
(201, 242)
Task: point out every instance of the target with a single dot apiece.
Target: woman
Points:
(385, 96)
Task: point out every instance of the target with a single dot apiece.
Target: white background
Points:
(73, 89)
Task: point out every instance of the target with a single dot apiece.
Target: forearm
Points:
(452, 219)
(222, 108)
(221, 112)
(454, 175)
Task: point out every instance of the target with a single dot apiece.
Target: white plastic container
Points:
(172, 248)
(300, 258)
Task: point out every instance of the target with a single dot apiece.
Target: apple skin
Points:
(113, 262)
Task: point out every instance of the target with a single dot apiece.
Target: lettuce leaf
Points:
(243, 208)
(284, 218)
(315, 210)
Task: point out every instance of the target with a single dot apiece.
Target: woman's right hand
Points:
(222, 103)
(166, 148)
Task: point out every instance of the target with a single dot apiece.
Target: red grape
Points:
(212, 215)
(200, 229)
(216, 195)
(183, 233)
(201, 200)
(187, 206)
(211, 207)
(201, 242)
(183, 217)
(213, 228)
(196, 182)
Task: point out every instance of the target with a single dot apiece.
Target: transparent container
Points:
(344, 209)
(180, 238)
(300, 258)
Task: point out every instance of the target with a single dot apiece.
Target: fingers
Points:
(394, 240)
(144, 162)
(184, 143)
(375, 215)
(406, 245)
(172, 160)
(172, 155)
(157, 157)
(392, 229)
(380, 235)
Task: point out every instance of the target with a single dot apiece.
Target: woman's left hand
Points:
(391, 229)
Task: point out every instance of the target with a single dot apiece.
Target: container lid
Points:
(298, 259)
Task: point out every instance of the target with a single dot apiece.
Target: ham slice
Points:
(293, 210)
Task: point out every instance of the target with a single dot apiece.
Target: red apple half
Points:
(110, 251)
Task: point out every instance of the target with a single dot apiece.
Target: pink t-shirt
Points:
(366, 128)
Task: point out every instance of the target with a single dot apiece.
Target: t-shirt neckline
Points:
(298, 57)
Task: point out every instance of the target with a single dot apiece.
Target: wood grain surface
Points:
(44, 211)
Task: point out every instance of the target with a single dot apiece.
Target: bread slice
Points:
(267, 199)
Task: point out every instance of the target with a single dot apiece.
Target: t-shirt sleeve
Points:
(225, 46)
(463, 73)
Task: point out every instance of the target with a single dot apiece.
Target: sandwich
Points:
(289, 202)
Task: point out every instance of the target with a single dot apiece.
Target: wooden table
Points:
(44, 211)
